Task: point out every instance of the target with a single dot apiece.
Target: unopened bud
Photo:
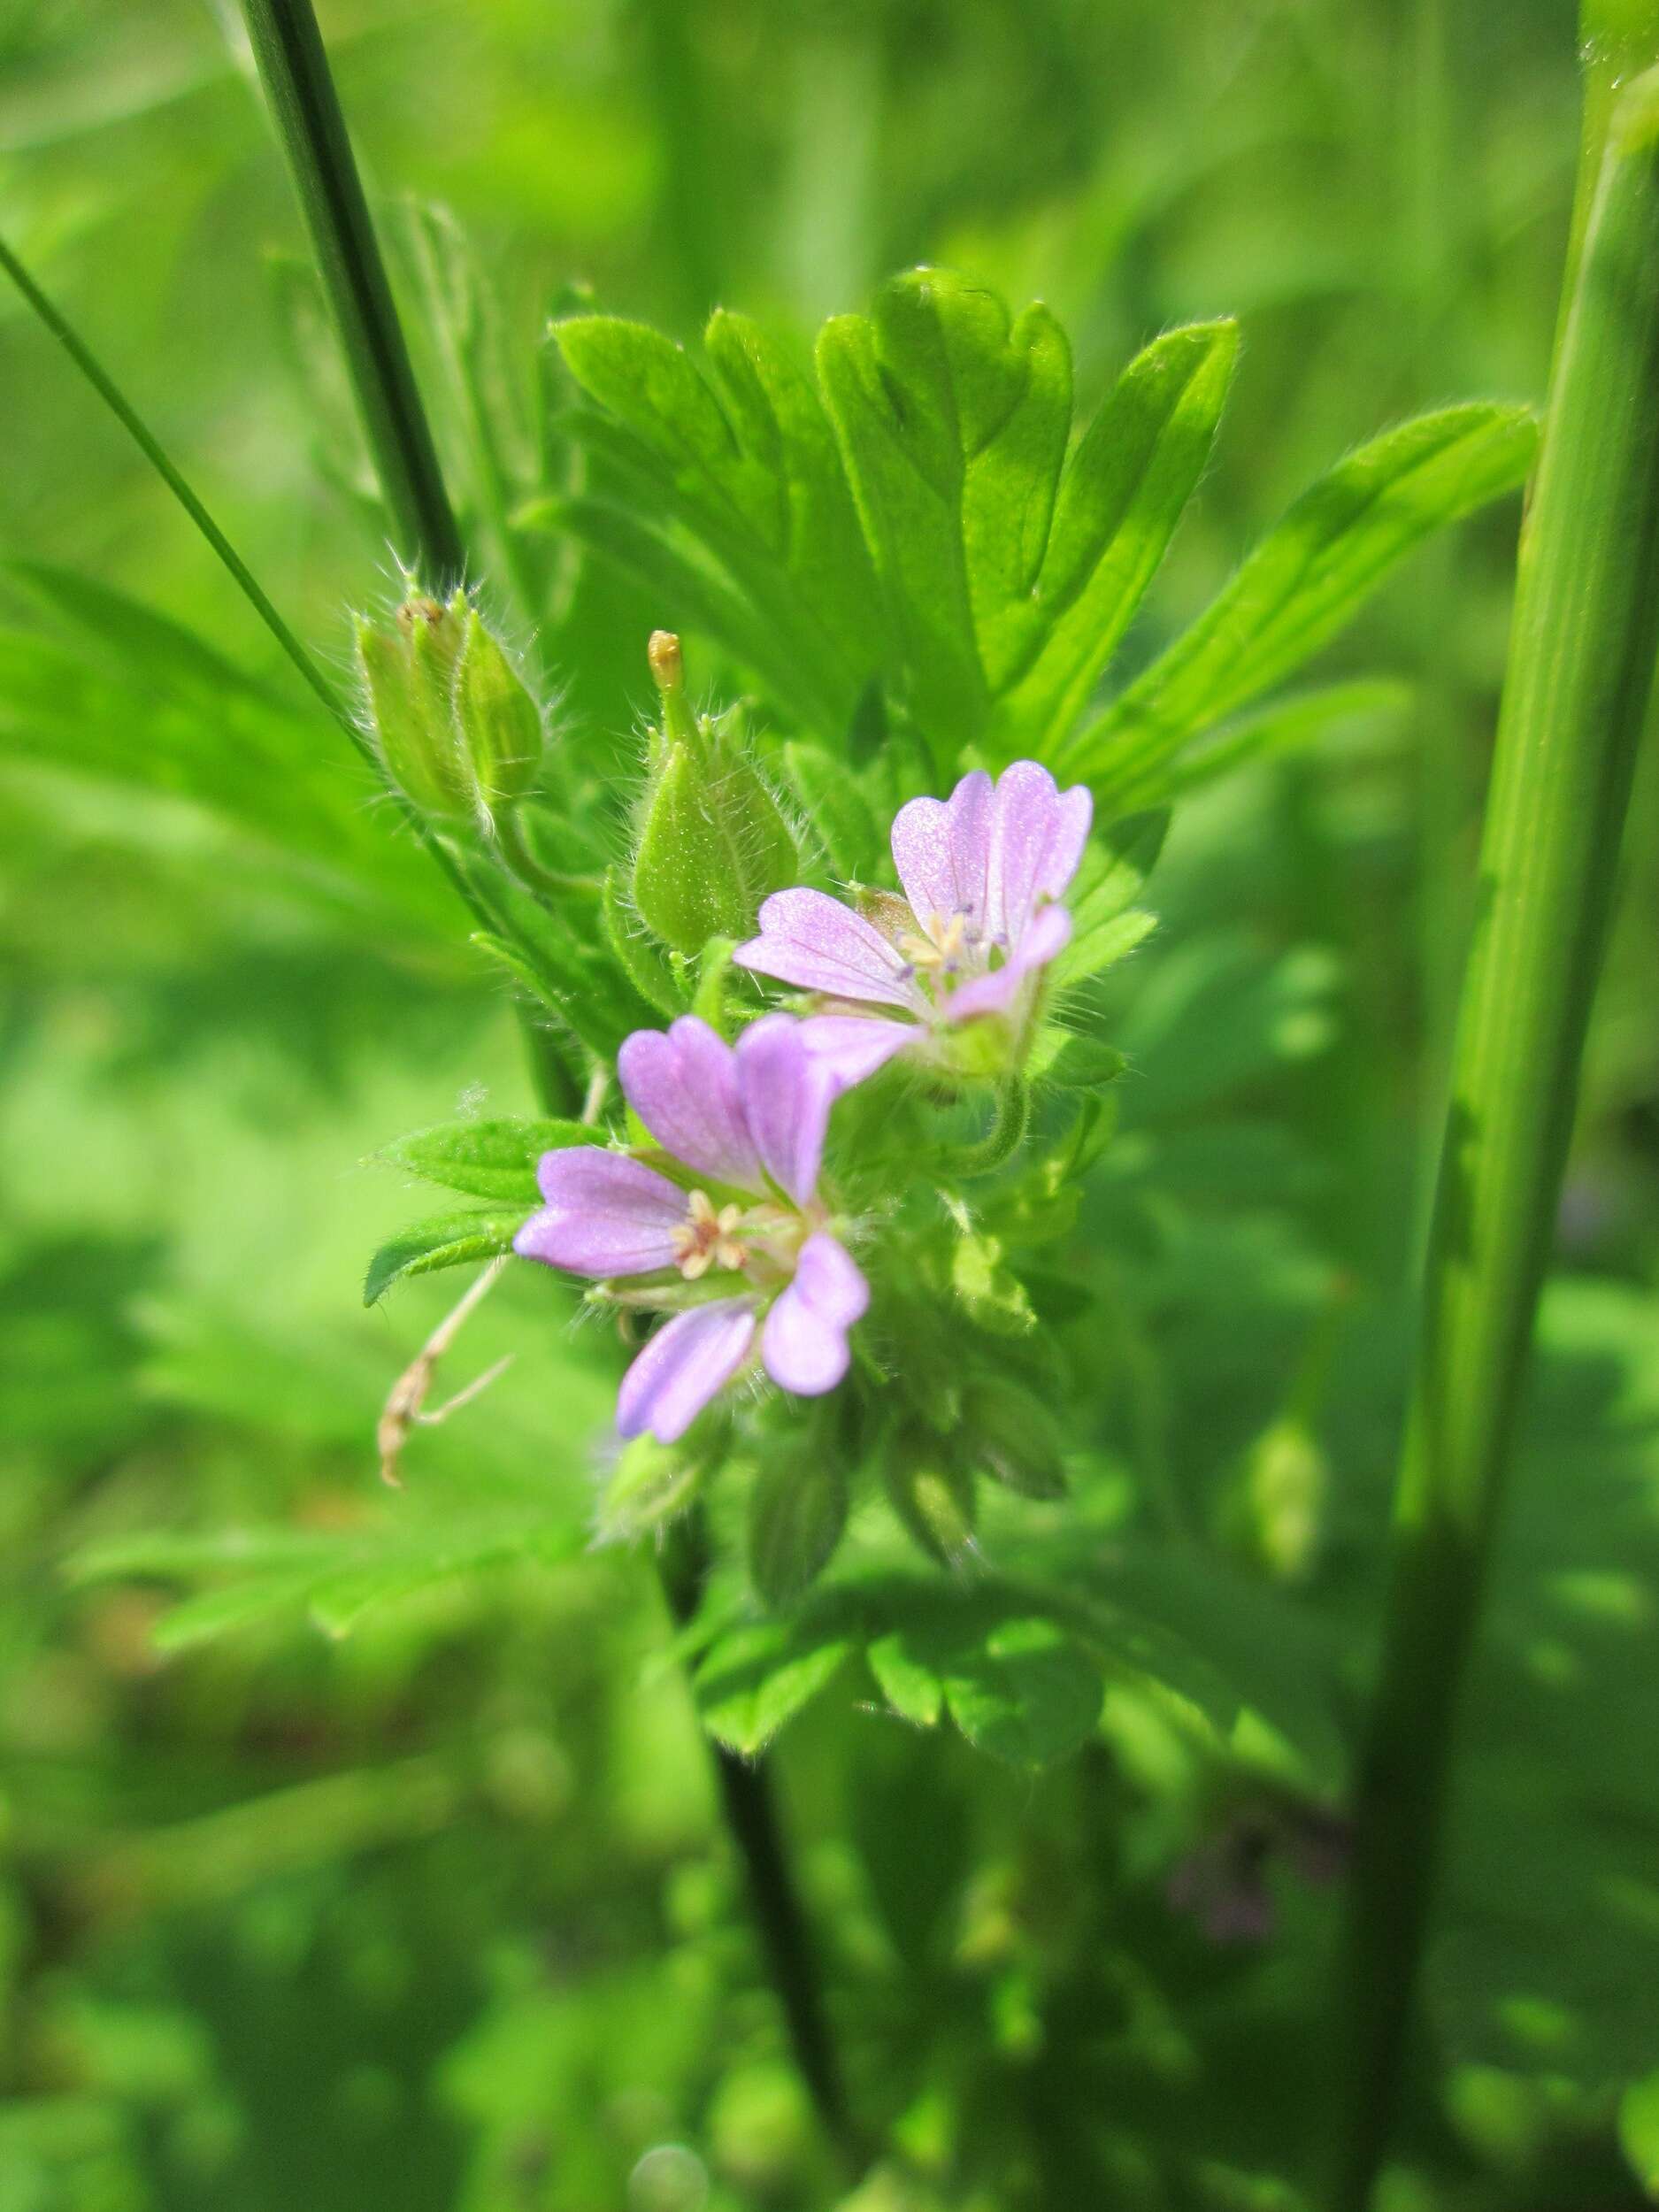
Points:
(1285, 1478)
(713, 842)
(456, 728)
(1007, 1431)
(933, 1496)
(797, 1514)
(409, 678)
(497, 720)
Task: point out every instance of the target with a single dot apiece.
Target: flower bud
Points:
(1285, 1481)
(497, 722)
(455, 726)
(797, 1514)
(932, 1495)
(408, 680)
(1009, 1432)
(713, 842)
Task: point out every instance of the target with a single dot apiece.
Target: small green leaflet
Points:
(756, 1677)
(1024, 1689)
(450, 1240)
(486, 1159)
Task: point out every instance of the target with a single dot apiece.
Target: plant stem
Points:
(300, 87)
(1575, 697)
(150, 446)
(751, 1815)
(295, 67)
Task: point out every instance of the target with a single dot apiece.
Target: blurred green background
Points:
(435, 1915)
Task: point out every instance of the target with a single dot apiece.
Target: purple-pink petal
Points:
(688, 1362)
(605, 1214)
(1037, 837)
(852, 1047)
(683, 1084)
(786, 1095)
(804, 1344)
(1049, 931)
(817, 944)
(923, 856)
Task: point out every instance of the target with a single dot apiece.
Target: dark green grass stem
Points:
(746, 1801)
(294, 69)
(305, 107)
(1576, 697)
(150, 446)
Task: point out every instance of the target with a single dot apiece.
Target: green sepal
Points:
(639, 960)
(497, 724)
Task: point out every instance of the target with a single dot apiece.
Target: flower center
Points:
(706, 1239)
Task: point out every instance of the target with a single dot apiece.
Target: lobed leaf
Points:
(1306, 581)
(1126, 489)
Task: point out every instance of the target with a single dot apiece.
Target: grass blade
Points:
(1580, 675)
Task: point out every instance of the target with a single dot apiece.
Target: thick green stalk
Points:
(1580, 677)
(294, 69)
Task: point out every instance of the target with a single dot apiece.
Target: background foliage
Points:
(338, 1873)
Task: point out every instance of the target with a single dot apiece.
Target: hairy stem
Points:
(294, 69)
(1575, 697)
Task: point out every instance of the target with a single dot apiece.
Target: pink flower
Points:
(750, 1122)
(982, 872)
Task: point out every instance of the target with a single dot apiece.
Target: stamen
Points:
(706, 1240)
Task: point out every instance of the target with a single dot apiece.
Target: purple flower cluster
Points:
(982, 871)
(729, 1236)
(749, 1122)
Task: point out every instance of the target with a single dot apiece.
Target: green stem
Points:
(294, 69)
(1575, 697)
(150, 446)
(1010, 1120)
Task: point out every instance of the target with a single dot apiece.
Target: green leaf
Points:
(745, 469)
(334, 1577)
(953, 425)
(650, 1484)
(1305, 583)
(1018, 1685)
(1028, 1695)
(1639, 2131)
(1216, 1014)
(756, 1677)
(1078, 1062)
(1125, 489)
(1105, 923)
(841, 817)
(486, 1159)
(987, 1286)
(450, 1240)
(1286, 726)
